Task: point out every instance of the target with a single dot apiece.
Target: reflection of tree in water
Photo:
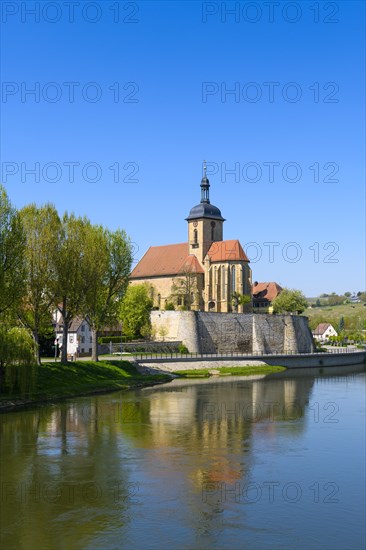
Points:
(66, 474)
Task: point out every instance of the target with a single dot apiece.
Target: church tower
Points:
(205, 223)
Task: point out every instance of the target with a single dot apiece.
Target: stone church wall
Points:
(205, 332)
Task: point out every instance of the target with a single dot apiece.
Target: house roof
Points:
(75, 324)
(226, 251)
(166, 260)
(321, 328)
(266, 291)
(173, 259)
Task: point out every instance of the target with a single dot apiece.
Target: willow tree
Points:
(12, 246)
(14, 351)
(71, 270)
(42, 227)
(109, 260)
(17, 364)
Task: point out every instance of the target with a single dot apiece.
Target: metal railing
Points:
(176, 355)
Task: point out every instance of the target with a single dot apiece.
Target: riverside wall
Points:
(295, 361)
(205, 332)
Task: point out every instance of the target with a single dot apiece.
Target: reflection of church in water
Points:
(216, 268)
(220, 418)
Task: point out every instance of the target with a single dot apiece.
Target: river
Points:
(253, 464)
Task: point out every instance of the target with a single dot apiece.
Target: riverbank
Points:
(57, 381)
(294, 361)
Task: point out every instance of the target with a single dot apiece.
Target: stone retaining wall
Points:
(204, 332)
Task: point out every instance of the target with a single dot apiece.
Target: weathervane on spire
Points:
(205, 184)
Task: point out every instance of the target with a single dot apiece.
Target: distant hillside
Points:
(354, 316)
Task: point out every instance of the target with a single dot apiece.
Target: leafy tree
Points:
(72, 265)
(135, 309)
(341, 325)
(335, 300)
(348, 294)
(240, 300)
(318, 303)
(184, 289)
(12, 246)
(289, 300)
(109, 265)
(17, 372)
(145, 331)
(42, 227)
(163, 331)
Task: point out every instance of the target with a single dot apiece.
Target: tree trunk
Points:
(2, 375)
(65, 332)
(36, 351)
(94, 356)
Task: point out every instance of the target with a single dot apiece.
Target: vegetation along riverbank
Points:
(54, 381)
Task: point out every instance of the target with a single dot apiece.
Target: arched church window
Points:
(223, 275)
(245, 282)
(233, 279)
(195, 236)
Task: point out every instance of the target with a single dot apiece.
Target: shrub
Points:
(113, 339)
(17, 352)
(182, 348)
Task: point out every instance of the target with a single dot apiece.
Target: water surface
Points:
(276, 462)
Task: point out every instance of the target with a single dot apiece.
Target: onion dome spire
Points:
(205, 186)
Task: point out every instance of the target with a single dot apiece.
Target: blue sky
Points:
(145, 86)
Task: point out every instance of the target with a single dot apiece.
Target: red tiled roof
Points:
(226, 251)
(266, 291)
(166, 260)
(321, 328)
(191, 265)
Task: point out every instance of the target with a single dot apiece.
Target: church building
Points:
(206, 273)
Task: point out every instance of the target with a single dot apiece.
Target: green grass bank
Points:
(230, 371)
(59, 381)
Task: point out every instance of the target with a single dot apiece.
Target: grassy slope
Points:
(354, 315)
(226, 371)
(76, 378)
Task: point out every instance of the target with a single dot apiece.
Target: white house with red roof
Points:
(205, 271)
(79, 335)
(324, 331)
